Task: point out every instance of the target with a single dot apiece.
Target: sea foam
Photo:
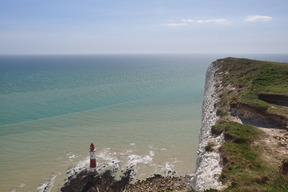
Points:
(47, 186)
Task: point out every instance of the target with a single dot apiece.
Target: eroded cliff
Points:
(209, 166)
(243, 136)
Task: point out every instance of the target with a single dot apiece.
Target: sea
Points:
(142, 111)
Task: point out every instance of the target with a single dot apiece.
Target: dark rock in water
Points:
(86, 182)
(284, 167)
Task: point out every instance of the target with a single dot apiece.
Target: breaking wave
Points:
(119, 162)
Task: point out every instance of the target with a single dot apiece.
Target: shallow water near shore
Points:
(139, 110)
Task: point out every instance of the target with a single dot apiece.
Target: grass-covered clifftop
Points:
(252, 94)
(258, 85)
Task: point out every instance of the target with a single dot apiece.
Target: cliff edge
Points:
(244, 134)
(208, 161)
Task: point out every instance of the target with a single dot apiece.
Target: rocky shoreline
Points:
(94, 182)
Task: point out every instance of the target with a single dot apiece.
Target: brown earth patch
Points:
(274, 144)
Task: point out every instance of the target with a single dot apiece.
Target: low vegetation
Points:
(246, 79)
(242, 81)
(244, 170)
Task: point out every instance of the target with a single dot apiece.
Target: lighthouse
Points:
(92, 168)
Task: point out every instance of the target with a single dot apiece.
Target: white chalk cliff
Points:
(208, 168)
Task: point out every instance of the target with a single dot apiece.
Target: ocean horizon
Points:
(140, 111)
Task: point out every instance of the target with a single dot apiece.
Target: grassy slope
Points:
(244, 170)
(250, 78)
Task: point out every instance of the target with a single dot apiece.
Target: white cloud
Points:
(176, 24)
(215, 21)
(253, 18)
(188, 20)
(185, 22)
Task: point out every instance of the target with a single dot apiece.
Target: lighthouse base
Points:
(92, 180)
(92, 172)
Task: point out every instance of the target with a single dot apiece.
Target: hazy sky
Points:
(143, 26)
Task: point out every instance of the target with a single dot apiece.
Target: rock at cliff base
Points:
(85, 182)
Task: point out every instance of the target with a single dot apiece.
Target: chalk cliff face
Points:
(208, 157)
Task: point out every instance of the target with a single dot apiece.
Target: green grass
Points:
(251, 98)
(258, 76)
(272, 78)
(250, 78)
(244, 170)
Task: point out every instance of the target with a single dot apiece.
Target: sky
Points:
(143, 26)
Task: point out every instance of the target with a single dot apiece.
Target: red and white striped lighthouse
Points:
(92, 167)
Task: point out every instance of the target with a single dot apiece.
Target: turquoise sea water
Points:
(141, 110)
